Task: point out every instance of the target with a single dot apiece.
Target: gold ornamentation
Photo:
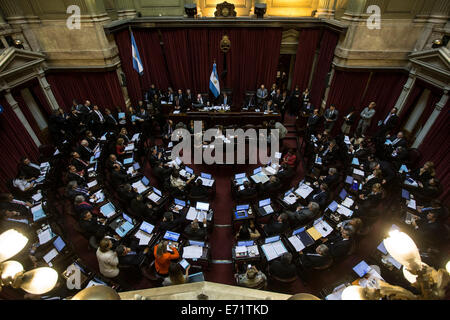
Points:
(225, 44)
(225, 10)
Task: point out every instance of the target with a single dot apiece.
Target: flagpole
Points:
(140, 75)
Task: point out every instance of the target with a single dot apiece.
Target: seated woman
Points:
(425, 173)
(22, 183)
(248, 231)
(375, 177)
(176, 275)
(290, 158)
(120, 148)
(124, 135)
(80, 204)
(163, 258)
(77, 162)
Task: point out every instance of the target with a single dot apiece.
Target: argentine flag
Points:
(137, 64)
(214, 85)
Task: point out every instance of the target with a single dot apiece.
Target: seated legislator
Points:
(283, 268)
(198, 190)
(290, 158)
(126, 193)
(77, 162)
(341, 245)
(120, 148)
(80, 205)
(331, 179)
(162, 172)
(248, 231)
(84, 151)
(272, 186)
(430, 231)
(112, 160)
(91, 139)
(170, 223)
(73, 190)
(320, 196)
(74, 175)
(302, 215)
(176, 275)
(247, 192)
(118, 176)
(286, 173)
(111, 123)
(129, 257)
(91, 225)
(108, 261)
(368, 202)
(7, 202)
(143, 209)
(425, 173)
(225, 99)
(22, 183)
(163, 258)
(277, 227)
(252, 278)
(28, 169)
(317, 260)
(177, 182)
(196, 230)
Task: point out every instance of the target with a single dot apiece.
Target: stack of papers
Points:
(290, 199)
(241, 251)
(253, 251)
(192, 252)
(344, 211)
(270, 170)
(273, 250)
(323, 228)
(154, 197)
(297, 243)
(411, 204)
(260, 178)
(206, 182)
(304, 191)
(100, 196)
(347, 202)
(108, 210)
(38, 212)
(144, 238)
(136, 137)
(37, 197)
(140, 187)
(193, 214)
(129, 147)
(358, 172)
(45, 236)
(92, 184)
(49, 256)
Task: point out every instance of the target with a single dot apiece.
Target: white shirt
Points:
(21, 184)
(107, 263)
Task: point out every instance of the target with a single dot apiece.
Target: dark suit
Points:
(331, 180)
(199, 191)
(339, 248)
(126, 195)
(281, 270)
(247, 192)
(330, 115)
(390, 124)
(85, 153)
(140, 208)
(226, 100)
(275, 228)
(173, 225)
(195, 234)
(111, 122)
(320, 197)
(314, 260)
(92, 227)
(301, 217)
(76, 177)
(118, 178)
(313, 122)
(29, 171)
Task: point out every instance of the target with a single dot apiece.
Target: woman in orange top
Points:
(162, 258)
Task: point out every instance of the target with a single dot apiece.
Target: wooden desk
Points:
(224, 118)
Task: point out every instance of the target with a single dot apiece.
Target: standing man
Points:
(388, 124)
(330, 115)
(97, 121)
(366, 118)
(261, 95)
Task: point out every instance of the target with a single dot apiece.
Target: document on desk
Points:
(154, 197)
(279, 248)
(100, 196)
(358, 172)
(314, 233)
(129, 147)
(192, 252)
(253, 251)
(268, 209)
(269, 251)
(45, 236)
(347, 140)
(144, 238)
(241, 250)
(344, 211)
(136, 137)
(290, 199)
(260, 178)
(347, 202)
(36, 197)
(206, 182)
(191, 214)
(323, 228)
(38, 212)
(297, 243)
(92, 184)
(108, 210)
(139, 186)
(303, 191)
(50, 255)
(412, 204)
(270, 170)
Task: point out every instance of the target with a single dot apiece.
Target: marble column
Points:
(432, 119)
(15, 106)
(327, 90)
(325, 9)
(47, 90)
(126, 97)
(440, 12)
(406, 90)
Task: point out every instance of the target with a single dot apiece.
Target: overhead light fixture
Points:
(191, 10)
(11, 243)
(37, 281)
(260, 10)
(97, 293)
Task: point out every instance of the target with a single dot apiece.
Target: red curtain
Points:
(27, 113)
(436, 147)
(413, 97)
(326, 54)
(101, 88)
(307, 45)
(176, 49)
(15, 143)
(384, 89)
(199, 59)
(346, 92)
(152, 59)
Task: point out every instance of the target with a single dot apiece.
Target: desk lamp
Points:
(431, 283)
(37, 281)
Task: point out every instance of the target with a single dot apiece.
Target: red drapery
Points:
(347, 89)
(414, 95)
(101, 88)
(384, 89)
(326, 54)
(307, 45)
(436, 147)
(15, 143)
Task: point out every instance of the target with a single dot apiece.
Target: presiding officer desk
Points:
(225, 118)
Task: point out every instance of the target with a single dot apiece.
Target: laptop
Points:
(147, 227)
(343, 194)
(202, 206)
(305, 238)
(179, 202)
(405, 194)
(59, 244)
(136, 166)
(239, 176)
(245, 243)
(206, 175)
(349, 180)
(158, 192)
(272, 239)
(257, 170)
(361, 269)
(196, 243)
(265, 207)
(189, 170)
(333, 206)
(145, 181)
(196, 277)
(172, 236)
